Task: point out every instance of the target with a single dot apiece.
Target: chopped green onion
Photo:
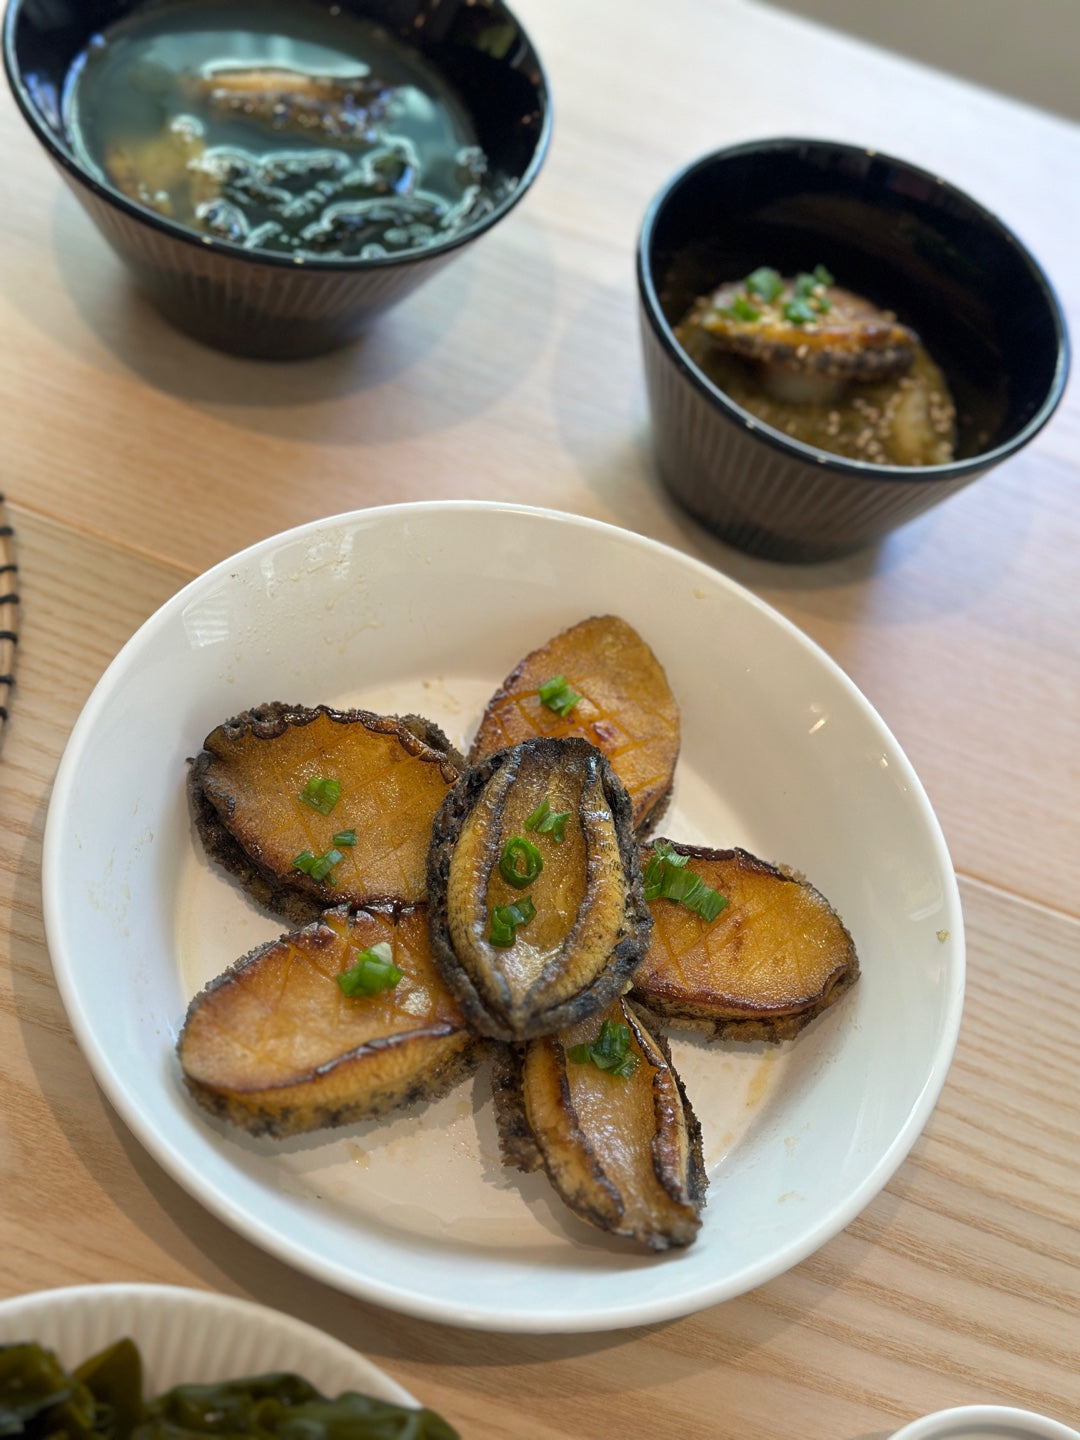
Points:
(373, 972)
(610, 1051)
(318, 866)
(557, 695)
(667, 878)
(799, 312)
(520, 862)
(325, 863)
(345, 837)
(740, 309)
(705, 902)
(765, 283)
(666, 851)
(546, 821)
(505, 920)
(811, 288)
(502, 935)
(539, 815)
(321, 794)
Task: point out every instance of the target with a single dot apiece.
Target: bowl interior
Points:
(904, 238)
(479, 48)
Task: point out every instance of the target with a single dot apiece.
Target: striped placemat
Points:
(9, 611)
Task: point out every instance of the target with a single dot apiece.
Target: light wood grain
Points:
(134, 459)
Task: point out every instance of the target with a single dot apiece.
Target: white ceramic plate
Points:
(426, 608)
(986, 1422)
(189, 1337)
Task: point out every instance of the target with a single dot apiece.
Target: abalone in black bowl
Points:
(906, 240)
(252, 301)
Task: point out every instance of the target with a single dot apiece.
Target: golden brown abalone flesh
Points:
(340, 1021)
(614, 693)
(313, 808)
(601, 1108)
(776, 955)
(536, 924)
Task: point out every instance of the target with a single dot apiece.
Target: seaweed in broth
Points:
(278, 125)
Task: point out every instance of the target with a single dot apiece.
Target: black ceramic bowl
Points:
(905, 239)
(258, 303)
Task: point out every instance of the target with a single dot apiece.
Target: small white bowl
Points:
(190, 1336)
(986, 1422)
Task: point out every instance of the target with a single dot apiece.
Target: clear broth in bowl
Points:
(278, 125)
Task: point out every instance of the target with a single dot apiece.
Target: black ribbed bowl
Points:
(904, 238)
(265, 305)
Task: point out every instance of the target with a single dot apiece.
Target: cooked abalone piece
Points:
(537, 913)
(601, 1108)
(278, 1047)
(801, 331)
(614, 694)
(776, 955)
(316, 808)
(326, 107)
(825, 366)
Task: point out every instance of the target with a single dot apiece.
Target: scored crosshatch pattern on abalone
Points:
(625, 708)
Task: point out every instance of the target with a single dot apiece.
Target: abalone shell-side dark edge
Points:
(246, 307)
(755, 496)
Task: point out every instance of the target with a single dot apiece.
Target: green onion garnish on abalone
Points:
(319, 867)
(505, 920)
(740, 309)
(520, 862)
(765, 283)
(667, 878)
(325, 864)
(546, 821)
(539, 815)
(610, 1051)
(321, 793)
(811, 288)
(799, 312)
(345, 837)
(557, 695)
(373, 972)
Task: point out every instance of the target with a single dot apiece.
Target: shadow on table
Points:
(201, 1244)
(410, 375)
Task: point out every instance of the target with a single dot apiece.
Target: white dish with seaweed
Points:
(188, 1337)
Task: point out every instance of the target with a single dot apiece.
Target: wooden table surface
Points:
(133, 459)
